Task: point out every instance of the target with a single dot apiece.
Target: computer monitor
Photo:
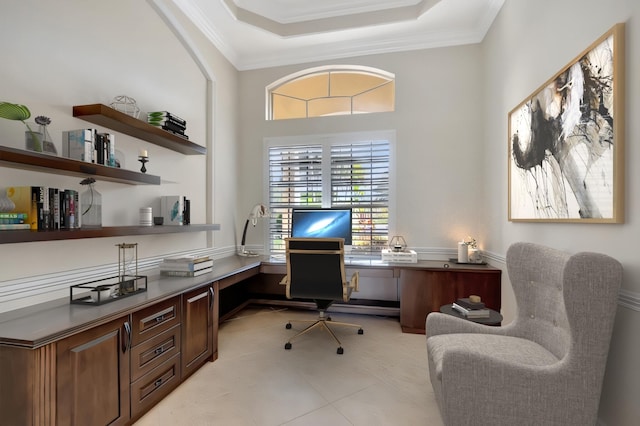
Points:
(321, 223)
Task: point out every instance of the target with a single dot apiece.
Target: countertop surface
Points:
(40, 324)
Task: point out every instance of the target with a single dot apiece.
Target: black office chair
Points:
(315, 270)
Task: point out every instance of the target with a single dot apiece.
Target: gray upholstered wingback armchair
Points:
(544, 368)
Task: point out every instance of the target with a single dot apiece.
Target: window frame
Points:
(318, 70)
(326, 141)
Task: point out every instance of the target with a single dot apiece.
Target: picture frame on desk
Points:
(566, 141)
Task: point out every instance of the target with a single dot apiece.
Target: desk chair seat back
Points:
(315, 267)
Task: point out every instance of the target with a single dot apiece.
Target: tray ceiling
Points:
(264, 33)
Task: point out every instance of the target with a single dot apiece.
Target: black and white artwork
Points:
(566, 143)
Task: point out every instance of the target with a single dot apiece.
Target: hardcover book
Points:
(186, 259)
(159, 115)
(20, 198)
(466, 303)
(186, 273)
(188, 267)
(78, 144)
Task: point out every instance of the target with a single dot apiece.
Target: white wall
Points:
(439, 140)
(528, 43)
(73, 52)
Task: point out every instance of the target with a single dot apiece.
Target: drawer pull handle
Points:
(160, 318)
(159, 350)
(158, 383)
(126, 344)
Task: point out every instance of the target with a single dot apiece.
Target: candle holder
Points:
(143, 160)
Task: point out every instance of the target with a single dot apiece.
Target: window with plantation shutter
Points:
(360, 180)
(335, 171)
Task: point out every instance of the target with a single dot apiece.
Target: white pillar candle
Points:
(144, 153)
(463, 252)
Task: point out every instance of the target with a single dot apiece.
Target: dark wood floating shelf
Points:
(29, 160)
(103, 115)
(8, 237)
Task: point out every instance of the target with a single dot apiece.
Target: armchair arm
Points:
(439, 323)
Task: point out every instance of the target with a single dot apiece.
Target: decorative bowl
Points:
(100, 293)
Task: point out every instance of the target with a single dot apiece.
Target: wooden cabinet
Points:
(424, 291)
(198, 333)
(155, 354)
(92, 371)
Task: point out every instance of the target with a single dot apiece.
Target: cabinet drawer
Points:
(154, 351)
(155, 385)
(155, 319)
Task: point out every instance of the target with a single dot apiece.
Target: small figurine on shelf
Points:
(143, 158)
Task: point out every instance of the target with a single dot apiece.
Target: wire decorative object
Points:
(126, 105)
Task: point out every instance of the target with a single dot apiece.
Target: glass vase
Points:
(34, 137)
(91, 207)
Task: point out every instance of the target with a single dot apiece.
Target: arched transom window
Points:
(334, 90)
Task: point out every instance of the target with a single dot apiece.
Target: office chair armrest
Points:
(355, 279)
(285, 281)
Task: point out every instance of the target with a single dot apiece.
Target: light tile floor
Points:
(381, 379)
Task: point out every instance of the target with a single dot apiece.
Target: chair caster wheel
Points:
(360, 331)
(288, 326)
(287, 345)
(340, 351)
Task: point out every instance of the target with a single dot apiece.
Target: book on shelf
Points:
(8, 218)
(466, 303)
(43, 208)
(167, 121)
(172, 131)
(186, 266)
(186, 273)
(471, 313)
(79, 144)
(165, 115)
(169, 126)
(14, 226)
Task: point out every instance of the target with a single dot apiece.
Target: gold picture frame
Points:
(566, 141)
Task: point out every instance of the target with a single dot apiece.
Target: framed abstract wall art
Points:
(566, 141)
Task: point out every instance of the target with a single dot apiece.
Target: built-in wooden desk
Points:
(57, 359)
(422, 287)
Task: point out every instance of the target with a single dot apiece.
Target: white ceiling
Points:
(264, 33)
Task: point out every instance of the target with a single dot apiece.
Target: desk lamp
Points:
(259, 210)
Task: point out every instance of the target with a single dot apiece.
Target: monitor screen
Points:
(321, 223)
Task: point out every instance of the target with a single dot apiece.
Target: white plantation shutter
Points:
(332, 174)
(360, 180)
(295, 179)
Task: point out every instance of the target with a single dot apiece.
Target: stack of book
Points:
(169, 122)
(40, 208)
(186, 266)
(471, 309)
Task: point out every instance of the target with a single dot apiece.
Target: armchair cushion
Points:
(487, 348)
